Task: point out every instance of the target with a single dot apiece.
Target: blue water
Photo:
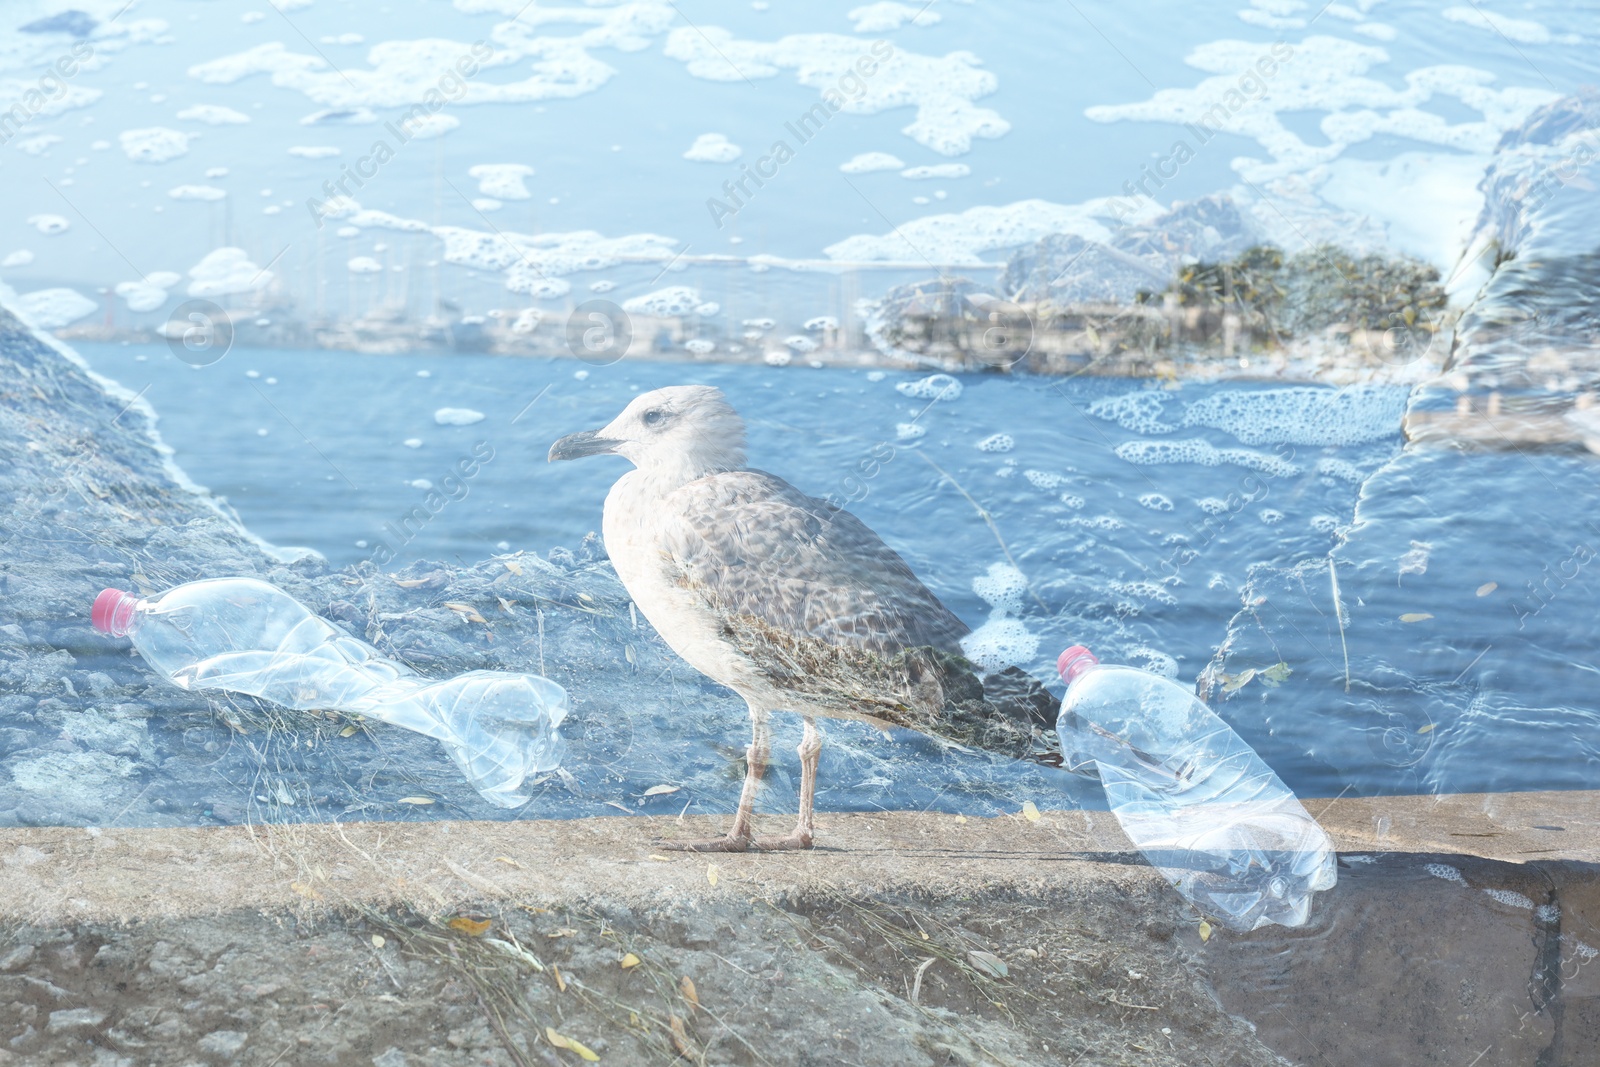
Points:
(1466, 700)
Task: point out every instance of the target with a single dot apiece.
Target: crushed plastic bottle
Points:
(247, 636)
(1196, 800)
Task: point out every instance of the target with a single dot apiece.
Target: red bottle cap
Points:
(1074, 661)
(113, 611)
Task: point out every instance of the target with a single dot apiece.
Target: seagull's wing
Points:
(755, 547)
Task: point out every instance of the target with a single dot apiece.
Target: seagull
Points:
(790, 601)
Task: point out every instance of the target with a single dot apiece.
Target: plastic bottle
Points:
(1196, 800)
(246, 636)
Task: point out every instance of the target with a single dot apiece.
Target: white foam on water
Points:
(363, 265)
(1445, 871)
(1153, 453)
(457, 416)
(822, 322)
(937, 170)
(1043, 479)
(1156, 502)
(1143, 591)
(1302, 416)
(700, 346)
(420, 483)
(227, 271)
(713, 148)
(1324, 523)
(196, 192)
(1212, 505)
(1525, 31)
(1507, 896)
(1000, 442)
(214, 115)
(887, 15)
(51, 309)
(153, 144)
(1002, 587)
(1548, 913)
(673, 300)
(1072, 500)
(800, 343)
(1378, 31)
(1579, 948)
(1324, 74)
(503, 181)
(1270, 516)
(412, 442)
(20, 258)
(314, 151)
(963, 239)
(933, 387)
(909, 431)
(1427, 202)
(141, 296)
(1000, 643)
(1343, 470)
(49, 225)
(1155, 661)
(943, 88)
(1140, 412)
(37, 146)
(867, 162)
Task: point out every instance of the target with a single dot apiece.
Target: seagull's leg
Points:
(806, 828)
(739, 836)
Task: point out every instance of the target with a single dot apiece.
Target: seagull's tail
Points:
(1007, 711)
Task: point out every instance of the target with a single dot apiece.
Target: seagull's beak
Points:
(583, 443)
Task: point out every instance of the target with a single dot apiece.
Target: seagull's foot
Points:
(794, 841)
(729, 843)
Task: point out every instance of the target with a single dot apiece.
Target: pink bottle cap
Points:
(113, 611)
(1074, 661)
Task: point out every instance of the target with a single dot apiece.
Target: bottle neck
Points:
(115, 612)
(1075, 662)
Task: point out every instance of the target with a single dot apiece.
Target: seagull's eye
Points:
(655, 418)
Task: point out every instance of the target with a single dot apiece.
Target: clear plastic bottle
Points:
(246, 636)
(1197, 801)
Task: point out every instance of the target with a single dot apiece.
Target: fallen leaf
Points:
(680, 1038)
(627, 652)
(961, 818)
(570, 1044)
(411, 583)
(686, 987)
(378, 941)
(629, 961)
(658, 856)
(564, 931)
(988, 964)
(620, 807)
(586, 598)
(1426, 729)
(1232, 683)
(1276, 674)
(561, 983)
(1030, 811)
(508, 861)
(711, 873)
(470, 927)
(415, 800)
(348, 731)
(1415, 616)
(1205, 931)
(305, 890)
(1488, 587)
(661, 790)
(505, 605)
(512, 566)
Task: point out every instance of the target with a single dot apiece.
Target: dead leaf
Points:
(1205, 931)
(661, 790)
(411, 583)
(1488, 587)
(1415, 616)
(680, 1039)
(564, 931)
(378, 941)
(961, 818)
(513, 566)
(1030, 811)
(988, 964)
(658, 856)
(415, 800)
(466, 611)
(1232, 683)
(469, 926)
(629, 961)
(1276, 674)
(686, 987)
(627, 652)
(508, 861)
(348, 731)
(505, 605)
(570, 1044)
(1426, 729)
(561, 983)
(305, 890)
(711, 873)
